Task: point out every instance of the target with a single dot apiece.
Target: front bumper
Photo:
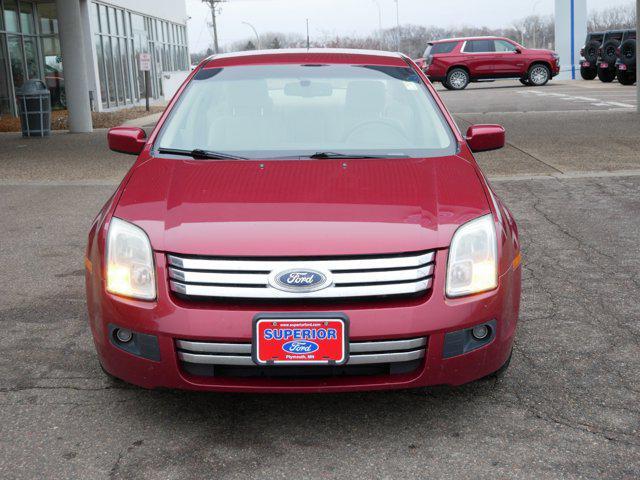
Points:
(431, 316)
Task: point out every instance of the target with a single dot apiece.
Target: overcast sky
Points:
(353, 17)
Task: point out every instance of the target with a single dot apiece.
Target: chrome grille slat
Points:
(332, 292)
(263, 279)
(268, 265)
(387, 346)
(206, 347)
(348, 277)
(361, 353)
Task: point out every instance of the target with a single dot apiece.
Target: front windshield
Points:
(288, 111)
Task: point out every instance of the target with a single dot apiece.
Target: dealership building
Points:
(87, 52)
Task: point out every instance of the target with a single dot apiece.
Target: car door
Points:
(479, 57)
(509, 60)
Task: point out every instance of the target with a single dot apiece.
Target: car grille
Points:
(350, 277)
(366, 358)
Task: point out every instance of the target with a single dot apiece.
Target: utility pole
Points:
(398, 25)
(638, 28)
(534, 19)
(213, 5)
(308, 39)
(379, 14)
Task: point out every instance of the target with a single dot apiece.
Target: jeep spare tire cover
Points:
(628, 52)
(609, 53)
(591, 51)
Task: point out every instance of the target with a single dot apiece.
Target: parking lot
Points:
(567, 408)
(556, 97)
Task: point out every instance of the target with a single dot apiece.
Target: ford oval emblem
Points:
(300, 280)
(300, 347)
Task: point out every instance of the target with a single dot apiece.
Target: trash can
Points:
(34, 105)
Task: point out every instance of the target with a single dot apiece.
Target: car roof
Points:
(466, 39)
(304, 55)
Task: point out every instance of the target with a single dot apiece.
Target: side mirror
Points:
(129, 140)
(518, 50)
(482, 138)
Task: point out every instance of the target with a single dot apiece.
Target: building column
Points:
(571, 31)
(76, 85)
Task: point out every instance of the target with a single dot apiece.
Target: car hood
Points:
(301, 207)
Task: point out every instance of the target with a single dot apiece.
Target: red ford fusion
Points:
(304, 221)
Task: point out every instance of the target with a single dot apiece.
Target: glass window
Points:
(53, 73)
(504, 46)
(1, 22)
(479, 46)
(101, 72)
(109, 70)
(120, 15)
(31, 54)
(26, 17)
(16, 60)
(281, 111)
(49, 18)
(125, 70)
(5, 97)
(118, 68)
(11, 16)
(436, 48)
(113, 29)
(104, 19)
(134, 70)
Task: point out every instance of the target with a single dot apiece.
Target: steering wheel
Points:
(369, 123)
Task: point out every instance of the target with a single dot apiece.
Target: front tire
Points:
(457, 79)
(539, 75)
(626, 78)
(588, 73)
(606, 75)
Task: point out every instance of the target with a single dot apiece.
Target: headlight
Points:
(473, 265)
(130, 271)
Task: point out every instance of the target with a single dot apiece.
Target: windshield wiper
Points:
(330, 155)
(200, 154)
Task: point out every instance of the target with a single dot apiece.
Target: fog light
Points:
(124, 335)
(480, 332)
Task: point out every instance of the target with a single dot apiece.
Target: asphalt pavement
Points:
(567, 407)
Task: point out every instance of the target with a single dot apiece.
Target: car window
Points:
(504, 46)
(446, 47)
(479, 46)
(275, 111)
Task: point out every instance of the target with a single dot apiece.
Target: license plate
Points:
(586, 64)
(300, 341)
(622, 67)
(604, 65)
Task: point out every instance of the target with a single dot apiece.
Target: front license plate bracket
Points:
(286, 339)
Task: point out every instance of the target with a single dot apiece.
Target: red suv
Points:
(304, 221)
(459, 61)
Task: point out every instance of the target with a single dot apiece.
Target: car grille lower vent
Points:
(339, 277)
(386, 357)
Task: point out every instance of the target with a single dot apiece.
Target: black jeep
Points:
(589, 66)
(608, 55)
(626, 63)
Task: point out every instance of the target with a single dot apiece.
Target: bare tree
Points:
(613, 18)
